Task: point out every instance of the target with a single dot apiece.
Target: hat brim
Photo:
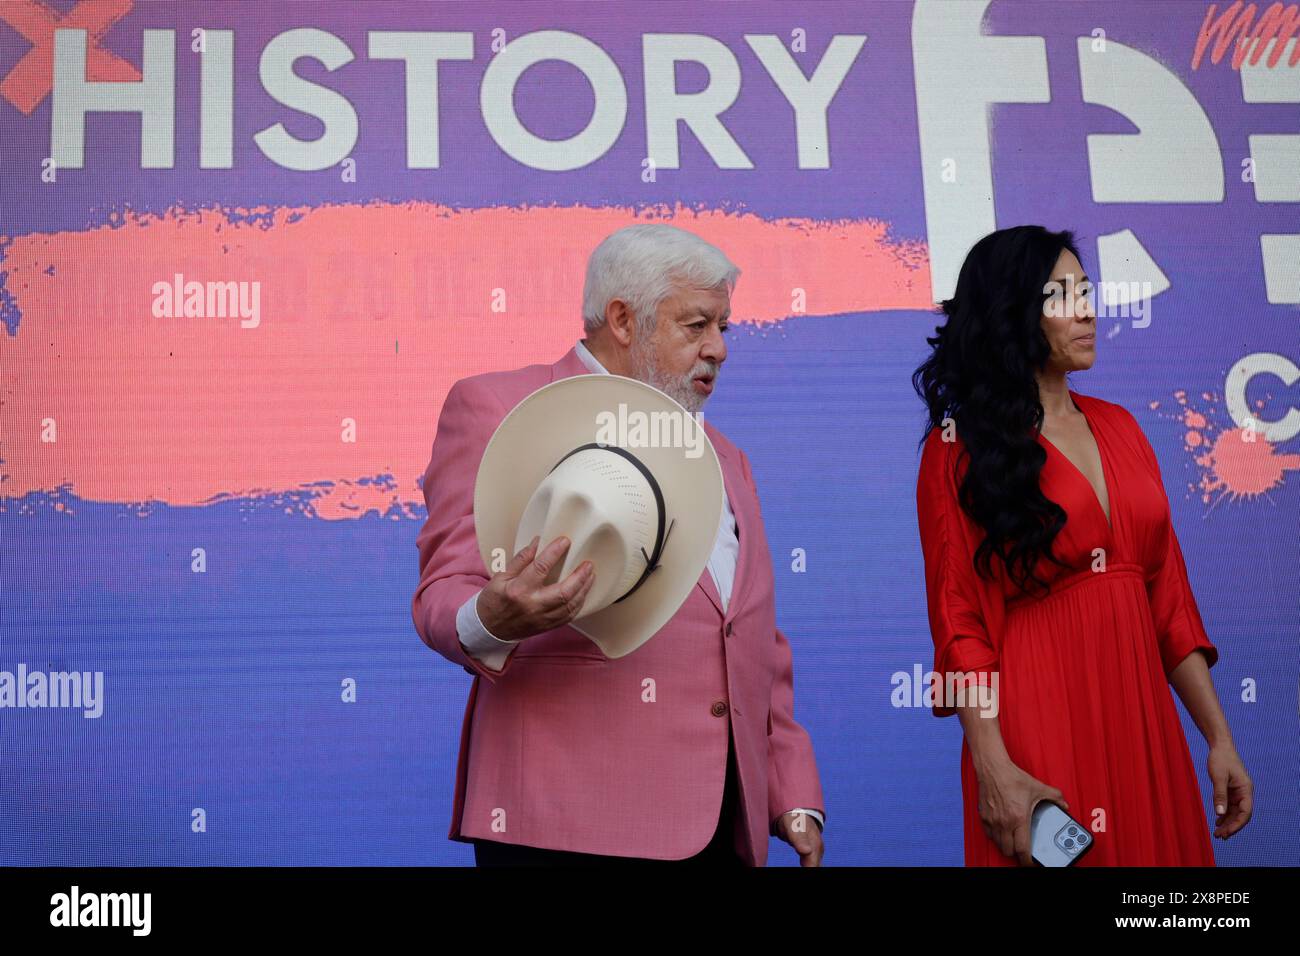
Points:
(561, 416)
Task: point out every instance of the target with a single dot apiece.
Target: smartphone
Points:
(1056, 838)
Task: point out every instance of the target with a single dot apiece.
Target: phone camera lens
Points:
(1069, 844)
(1083, 838)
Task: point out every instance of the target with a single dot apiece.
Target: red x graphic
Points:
(30, 80)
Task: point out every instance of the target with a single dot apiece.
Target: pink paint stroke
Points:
(369, 312)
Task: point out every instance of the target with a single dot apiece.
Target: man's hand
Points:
(516, 603)
(801, 832)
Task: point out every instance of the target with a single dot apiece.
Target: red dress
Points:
(1084, 702)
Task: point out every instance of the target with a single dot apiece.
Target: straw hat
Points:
(628, 476)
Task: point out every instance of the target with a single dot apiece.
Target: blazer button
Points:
(729, 623)
(719, 708)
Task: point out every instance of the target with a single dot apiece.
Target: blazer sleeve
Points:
(1178, 624)
(965, 610)
(451, 569)
(792, 778)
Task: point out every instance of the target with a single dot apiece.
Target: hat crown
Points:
(653, 482)
(607, 507)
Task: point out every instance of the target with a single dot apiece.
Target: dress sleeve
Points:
(1178, 621)
(1179, 628)
(965, 610)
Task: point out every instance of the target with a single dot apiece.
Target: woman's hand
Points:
(1233, 791)
(1008, 796)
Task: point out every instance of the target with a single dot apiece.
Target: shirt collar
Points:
(589, 360)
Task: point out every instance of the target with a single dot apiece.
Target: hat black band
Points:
(661, 535)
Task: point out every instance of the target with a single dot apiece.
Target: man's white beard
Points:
(646, 369)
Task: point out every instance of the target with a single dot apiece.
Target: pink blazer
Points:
(567, 750)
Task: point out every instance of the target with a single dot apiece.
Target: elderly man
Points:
(565, 757)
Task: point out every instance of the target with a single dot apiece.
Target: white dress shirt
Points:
(492, 651)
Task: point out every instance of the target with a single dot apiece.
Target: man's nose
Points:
(715, 347)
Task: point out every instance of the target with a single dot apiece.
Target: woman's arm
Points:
(1191, 679)
(1008, 794)
(1187, 654)
(1233, 789)
(965, 614)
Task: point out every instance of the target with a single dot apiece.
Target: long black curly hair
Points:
(981, 374)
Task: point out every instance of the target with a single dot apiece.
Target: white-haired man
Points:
(562, 759)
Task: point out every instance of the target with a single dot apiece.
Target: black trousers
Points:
(721, 850)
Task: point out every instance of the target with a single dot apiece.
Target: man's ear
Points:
(620, 322)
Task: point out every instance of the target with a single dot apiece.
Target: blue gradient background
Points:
(223, 688)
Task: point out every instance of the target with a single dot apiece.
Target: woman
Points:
(1054, 580)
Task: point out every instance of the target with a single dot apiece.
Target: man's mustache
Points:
(704, 368)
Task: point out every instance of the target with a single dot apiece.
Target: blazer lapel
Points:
(738, 497)
(710, 589)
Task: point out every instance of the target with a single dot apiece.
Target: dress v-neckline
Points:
(1101, 457)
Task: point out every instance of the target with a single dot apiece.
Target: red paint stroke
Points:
(31, 79)
(1232, 462)
(1234, 28)
(369, 313)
